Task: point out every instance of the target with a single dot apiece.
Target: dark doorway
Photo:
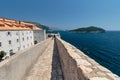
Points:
(35, 42)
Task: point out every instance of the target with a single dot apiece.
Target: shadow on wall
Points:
(56, 73)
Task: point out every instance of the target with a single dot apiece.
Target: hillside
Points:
(40, 25)
(90, 29)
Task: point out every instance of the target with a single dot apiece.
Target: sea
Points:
(102, 47)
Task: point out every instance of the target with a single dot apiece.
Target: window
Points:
(11, 52)
(9, 33)
(17, 40)
(23, 39)
(27, 38)
(0, 44)
(9, 41)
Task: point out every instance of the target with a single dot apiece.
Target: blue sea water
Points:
(102, 47)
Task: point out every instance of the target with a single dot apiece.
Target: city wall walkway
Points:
(47, 66)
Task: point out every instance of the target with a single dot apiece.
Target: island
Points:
(90, 29)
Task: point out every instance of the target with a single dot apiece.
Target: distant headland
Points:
(90, 29)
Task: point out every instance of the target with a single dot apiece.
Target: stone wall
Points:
(39, 35)
(17, 65)
(78, 66)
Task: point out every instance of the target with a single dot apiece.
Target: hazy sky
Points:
(65, 14)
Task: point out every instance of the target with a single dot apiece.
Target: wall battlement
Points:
(78, 66)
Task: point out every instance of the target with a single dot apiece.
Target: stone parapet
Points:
(78, 66)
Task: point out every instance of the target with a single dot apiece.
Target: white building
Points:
(16, 35)
(39, 35)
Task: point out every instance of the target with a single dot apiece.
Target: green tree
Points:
(2, 54)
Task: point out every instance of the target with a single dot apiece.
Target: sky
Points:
(65, 14)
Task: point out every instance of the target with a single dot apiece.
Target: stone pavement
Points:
(48, 65)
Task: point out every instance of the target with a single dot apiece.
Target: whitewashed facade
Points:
(13, 41)
(14, 38)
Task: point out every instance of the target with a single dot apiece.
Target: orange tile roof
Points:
(1, 18)
(1, 24)
(6, 24)
(36, 28)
